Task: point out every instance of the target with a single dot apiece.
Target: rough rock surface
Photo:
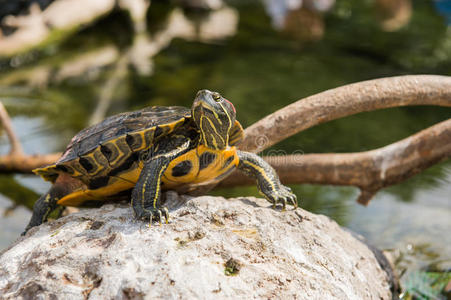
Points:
(212, 248)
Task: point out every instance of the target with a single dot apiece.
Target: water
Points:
(53, 93)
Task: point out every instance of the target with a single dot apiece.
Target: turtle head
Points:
(214, 116)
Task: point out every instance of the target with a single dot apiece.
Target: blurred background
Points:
(67, 64)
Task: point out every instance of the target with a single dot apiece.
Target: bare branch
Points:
(26, 163)
(344, 101)
(16, 147)
(17, 161)
(370, 170)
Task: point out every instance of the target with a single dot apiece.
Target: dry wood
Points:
(25, 163)
(370, 170)
(344, 101)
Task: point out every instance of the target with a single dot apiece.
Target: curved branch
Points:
(344, 101)
(370, 170)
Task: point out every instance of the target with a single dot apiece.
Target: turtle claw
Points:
(166, 214)
(153, 214)
(282, 195)
(160, 216)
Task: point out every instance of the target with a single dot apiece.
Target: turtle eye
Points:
(216, 97)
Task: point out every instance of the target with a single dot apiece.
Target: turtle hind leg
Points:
(47, 203)
(41, 210)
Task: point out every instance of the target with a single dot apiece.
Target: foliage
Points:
(424, 285)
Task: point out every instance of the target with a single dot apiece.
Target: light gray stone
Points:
(212, 248)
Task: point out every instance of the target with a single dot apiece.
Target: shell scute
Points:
(97, 150)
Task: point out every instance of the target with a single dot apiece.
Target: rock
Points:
(211, 248)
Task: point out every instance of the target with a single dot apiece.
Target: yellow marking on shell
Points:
(118, 183)
(120, 154)
(132, 174)
(75, 198)
(100, 165)
(147, 143)
(147, 135)
(170, 127)
(50, 173)
(144, 143)
(175, 124)
(39, 171)
(210, 173)
(128, 179)
(76, 167)
(46, 173)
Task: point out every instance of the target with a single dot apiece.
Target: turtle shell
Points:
(114, 144)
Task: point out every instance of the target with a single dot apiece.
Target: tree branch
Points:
(16, 147)
(344, 101)
(16, 161)
(26, 163)
(370, 170)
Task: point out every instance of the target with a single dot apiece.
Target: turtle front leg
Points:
(147, 192)
(268, 182)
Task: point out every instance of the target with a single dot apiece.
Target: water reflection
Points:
(417, 229)
(393, 14)
(11, 224)
(300, 19)
(214, 26)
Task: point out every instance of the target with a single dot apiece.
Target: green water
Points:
(260, 70)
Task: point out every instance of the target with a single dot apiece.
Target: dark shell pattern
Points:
(99, 149)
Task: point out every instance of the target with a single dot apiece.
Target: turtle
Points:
(157, 148)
